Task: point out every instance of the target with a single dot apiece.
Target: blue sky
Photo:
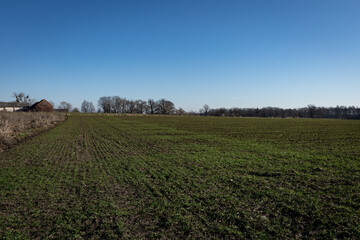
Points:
(222, 53)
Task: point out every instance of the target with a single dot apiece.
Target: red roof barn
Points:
(42, 106)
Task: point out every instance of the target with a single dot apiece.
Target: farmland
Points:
(176, 177)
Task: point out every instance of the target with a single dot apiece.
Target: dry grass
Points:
(15, 127)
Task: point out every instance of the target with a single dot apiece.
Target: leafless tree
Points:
(113, 104)
(140, 106)
(23, 98)
(123, 105)
(104, 104)
(181, 111)
(131, 106)
(206, 109)
(311, 110)
(152, 106)
(118, 104)
(146, 108)
(164, 106)
(75, 110)
(87, 107)
(65, 105)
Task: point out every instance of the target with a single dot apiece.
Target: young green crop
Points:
(177, 177)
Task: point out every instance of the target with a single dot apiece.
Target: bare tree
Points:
(23, 98)
(152, 106)
(311, 110)
(164, 106)
(91, 107)
(117, 104)
(131, 106)
(140, 106)
(87, 107)
(180, 111)
(113, 100)
(123, 105)
(75, 110)
(65, 105)
(206, 109)
(104, 104)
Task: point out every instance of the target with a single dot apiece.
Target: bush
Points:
(15, 126)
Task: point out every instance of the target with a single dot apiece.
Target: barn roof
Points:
(41, 106)
(42, 101)
(13, 104)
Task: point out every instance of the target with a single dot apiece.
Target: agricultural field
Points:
(175, 177)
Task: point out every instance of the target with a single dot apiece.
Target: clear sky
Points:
(288, 53)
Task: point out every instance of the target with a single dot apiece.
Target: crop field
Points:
(175, 177)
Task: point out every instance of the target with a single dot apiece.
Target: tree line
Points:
(311, 111)
(116, 104)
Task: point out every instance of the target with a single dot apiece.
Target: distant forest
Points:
(311, 111)
(117, 104)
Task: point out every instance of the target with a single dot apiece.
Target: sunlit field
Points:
(176, 177)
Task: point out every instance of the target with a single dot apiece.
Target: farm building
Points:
(41, 106)
(12, 106)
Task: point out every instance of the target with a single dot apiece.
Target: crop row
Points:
(183, 177)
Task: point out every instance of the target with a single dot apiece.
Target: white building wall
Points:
(9, 109)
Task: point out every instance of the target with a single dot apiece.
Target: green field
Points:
(173, 177)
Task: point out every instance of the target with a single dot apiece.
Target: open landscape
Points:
(179, 177)
(181, 119)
